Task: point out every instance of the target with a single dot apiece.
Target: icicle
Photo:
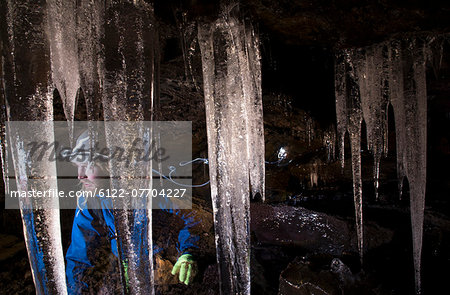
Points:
(354, 128)
(340, 75)
(434, 52)
(231, 71)
(29, 97)
(411, 109)
(3, 119)
(371, 77)
(189, 43)
(349, 119)
(64, 54)
(128, 94)
(309, 129)
(251, 72)
(90, 30)
(396, 99)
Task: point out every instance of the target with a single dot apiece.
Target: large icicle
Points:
(396, 99)
(350, 108)
(90, 31)
(249, 59)
(372, 74)
(231, 79)
(129, 95)
(410, 111)
(3, 118)
(340, 88)
(29, 96)
(61, 18)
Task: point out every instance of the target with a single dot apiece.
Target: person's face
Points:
(88, 175)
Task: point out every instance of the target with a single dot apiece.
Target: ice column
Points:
(232, 89)
(129, 94)
(29, 93)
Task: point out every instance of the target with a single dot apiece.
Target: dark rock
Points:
(300, 279)
(295, 226)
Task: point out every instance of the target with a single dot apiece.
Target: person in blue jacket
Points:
(94, 228)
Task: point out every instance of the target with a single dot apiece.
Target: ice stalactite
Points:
(349, 119)
(129, 94)
(29, 93)
(391, 72)
(372, 76)
(189, 44)
(410, 111)
(62, 27)
(340, 86)
(251, 73)
(90, 17)
(3, 118)
(232, 89)
(309, 129)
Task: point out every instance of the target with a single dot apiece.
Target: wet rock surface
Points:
(298, 227)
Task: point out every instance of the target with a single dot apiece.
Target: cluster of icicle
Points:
(233, 101)
(59, 45)
(367, 80)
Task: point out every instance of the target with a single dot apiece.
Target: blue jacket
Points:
(91, 227)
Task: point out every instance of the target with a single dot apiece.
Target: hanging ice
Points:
(371, 67)
(61, 17)
(410, 111)
(232, 88)
(90, 17)
(3, 119)
(389, 72)
(129, 94)
(349, 119)
(28, 93)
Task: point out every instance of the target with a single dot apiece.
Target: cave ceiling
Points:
(330, 23)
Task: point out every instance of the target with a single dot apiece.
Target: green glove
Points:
(187, 268)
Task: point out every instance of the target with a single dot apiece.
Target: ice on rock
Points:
(232, 89)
